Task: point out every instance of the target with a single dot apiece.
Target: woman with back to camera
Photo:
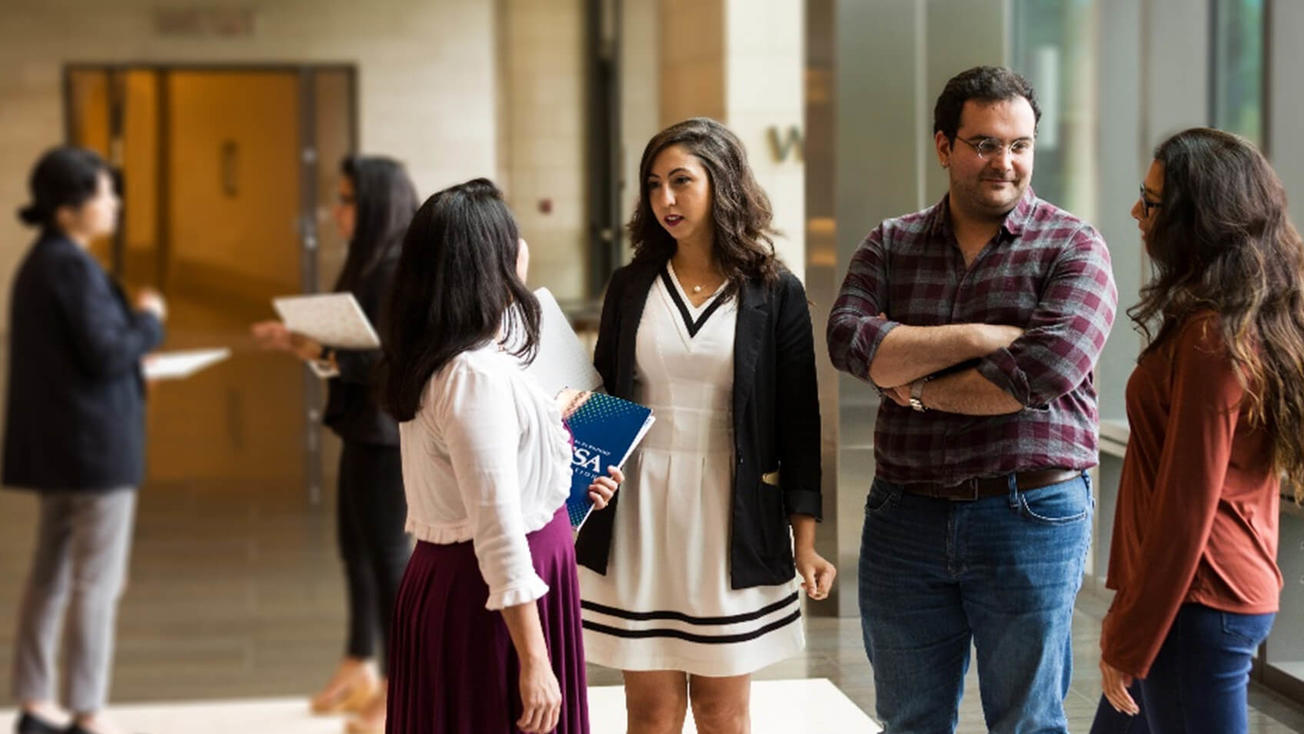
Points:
(487, 630)
(690, 583)
(75, 433)
(375, 206)
(1216, 411)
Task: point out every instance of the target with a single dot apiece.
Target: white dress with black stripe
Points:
(665, 602)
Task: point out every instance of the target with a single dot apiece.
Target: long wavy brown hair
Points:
(740, 210)
(1222, 241)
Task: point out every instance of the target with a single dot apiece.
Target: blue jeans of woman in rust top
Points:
(1198, 682)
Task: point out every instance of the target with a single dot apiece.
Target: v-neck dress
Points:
(665, 602)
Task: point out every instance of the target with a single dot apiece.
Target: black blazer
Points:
(352, 410)
(776, 419)
(76, 406)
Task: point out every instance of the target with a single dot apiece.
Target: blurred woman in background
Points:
(76, 435)
(375, 206)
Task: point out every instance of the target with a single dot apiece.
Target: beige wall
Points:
(763, 90)
(426, 78)
(501, 95)
(543, 119)
(692, 60)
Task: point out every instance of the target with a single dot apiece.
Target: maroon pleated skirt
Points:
(452, 667)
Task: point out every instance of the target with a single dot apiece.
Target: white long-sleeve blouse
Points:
(486, 459)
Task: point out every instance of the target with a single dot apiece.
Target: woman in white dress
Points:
(693, 584)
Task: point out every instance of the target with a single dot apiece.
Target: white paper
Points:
(562, 360)
(331, 319)
(179, 365)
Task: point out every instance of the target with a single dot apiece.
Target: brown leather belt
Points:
(983, 487)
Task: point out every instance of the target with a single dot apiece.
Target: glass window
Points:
(1236, 99)
(1053, 47)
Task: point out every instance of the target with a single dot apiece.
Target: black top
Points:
(352, 410)
(76, 404)
(776, 419)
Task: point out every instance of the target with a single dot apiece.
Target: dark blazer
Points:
(76, 406)
(352, 411)
(776, 419)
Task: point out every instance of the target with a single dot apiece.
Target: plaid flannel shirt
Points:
(1047, 272)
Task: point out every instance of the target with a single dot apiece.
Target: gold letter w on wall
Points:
(783, 144)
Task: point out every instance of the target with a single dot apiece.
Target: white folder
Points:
(332, 319)
(562, 360)
(182, 364)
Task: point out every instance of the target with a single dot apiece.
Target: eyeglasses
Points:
(1146, 204)
(988, 147)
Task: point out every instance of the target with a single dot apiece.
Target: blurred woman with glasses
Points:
(375, 206)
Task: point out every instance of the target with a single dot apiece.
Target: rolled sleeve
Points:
(1067, 331)
(482, 432)
(804, 502)
(855, 328)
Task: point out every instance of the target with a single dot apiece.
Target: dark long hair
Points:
(455, 289)
(384, 199)
(64, 176)
(740, 210)
(1221, 241)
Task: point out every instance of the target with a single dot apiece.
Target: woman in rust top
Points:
(1216, 408)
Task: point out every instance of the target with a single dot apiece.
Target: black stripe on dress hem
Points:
(691, 636)
(681, 617)
(693, 327)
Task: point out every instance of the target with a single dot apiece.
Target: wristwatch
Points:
(917, 395)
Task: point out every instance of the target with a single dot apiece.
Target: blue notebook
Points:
(606, 429)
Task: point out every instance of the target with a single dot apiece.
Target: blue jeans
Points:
(1000, 572)
(1198, 681)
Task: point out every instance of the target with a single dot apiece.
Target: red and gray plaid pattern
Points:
(1047, 272)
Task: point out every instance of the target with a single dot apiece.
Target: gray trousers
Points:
(83, 542)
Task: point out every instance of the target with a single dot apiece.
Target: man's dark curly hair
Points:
(982, 83)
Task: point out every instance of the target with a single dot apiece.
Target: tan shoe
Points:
(358, 726)
(371, 719)
(352, 688)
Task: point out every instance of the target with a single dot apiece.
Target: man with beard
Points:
(980, 319)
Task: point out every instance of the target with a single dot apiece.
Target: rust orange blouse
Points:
(1198, 502)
